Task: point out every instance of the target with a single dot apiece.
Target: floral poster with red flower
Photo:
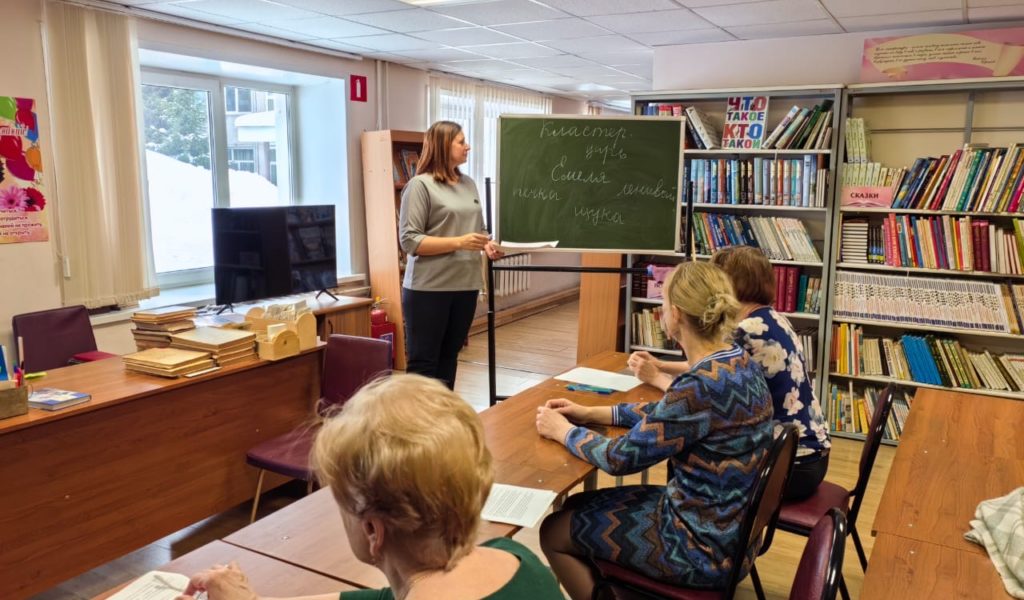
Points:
(22, 203)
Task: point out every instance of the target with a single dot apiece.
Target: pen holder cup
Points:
(13, 402)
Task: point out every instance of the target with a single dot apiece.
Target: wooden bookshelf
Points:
(382, 194)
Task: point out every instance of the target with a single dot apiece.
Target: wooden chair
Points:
(349, 363)
(56, 338)
(821, 565)
(756, 529)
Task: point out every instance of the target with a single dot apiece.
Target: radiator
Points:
(507, 283)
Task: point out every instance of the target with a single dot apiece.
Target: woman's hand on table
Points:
(552, 424)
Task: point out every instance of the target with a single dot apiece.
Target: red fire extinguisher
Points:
(380, 327)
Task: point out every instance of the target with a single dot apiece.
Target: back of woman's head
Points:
(703, 294)
(436, 158)
(410, 452)
(751, 273)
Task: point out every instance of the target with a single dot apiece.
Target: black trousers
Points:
(436, 325)
(808, 472)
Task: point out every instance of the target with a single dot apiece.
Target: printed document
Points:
(598, 378)
(155, 585)
(516, 505)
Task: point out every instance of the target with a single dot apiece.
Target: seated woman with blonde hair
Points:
(406, 462)
(713, 425)
(770, 340)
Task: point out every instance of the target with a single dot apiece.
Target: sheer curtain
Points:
(476, 107)
(92, 72)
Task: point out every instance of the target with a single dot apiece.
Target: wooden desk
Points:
(142, 459)
(957, 449)
(905, 569)
(268, 576)
(309, 533)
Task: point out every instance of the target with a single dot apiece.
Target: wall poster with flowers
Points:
(22, 203)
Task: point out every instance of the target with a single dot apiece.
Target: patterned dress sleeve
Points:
(667, 427)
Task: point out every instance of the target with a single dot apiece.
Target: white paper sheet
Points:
(516, 505)
(510, 247)
(155, 585)
(596, 377)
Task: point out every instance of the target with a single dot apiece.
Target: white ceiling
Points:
(593, 49)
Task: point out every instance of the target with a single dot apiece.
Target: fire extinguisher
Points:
(380, 327)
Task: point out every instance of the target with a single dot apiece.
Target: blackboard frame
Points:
(680, 203)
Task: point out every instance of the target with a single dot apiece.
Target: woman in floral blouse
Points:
(769, 338)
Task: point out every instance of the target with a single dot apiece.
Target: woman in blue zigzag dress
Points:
(713, 425)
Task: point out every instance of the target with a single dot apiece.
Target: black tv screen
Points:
(273, 251)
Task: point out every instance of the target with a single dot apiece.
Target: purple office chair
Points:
(757, 528)
(821, 564)
(349, 363)
(56, 338)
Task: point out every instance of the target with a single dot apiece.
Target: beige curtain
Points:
(92, 72)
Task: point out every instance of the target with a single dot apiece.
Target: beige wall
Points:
(405, 98)
(30, 272)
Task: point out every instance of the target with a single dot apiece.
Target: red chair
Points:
(821, 564)
(56, 338)
(800, 516)
(349, 363)
(758, 524)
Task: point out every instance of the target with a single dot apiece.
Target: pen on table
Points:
(36, 375)
(573, 387)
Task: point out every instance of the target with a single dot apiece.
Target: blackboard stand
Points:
(492, 381)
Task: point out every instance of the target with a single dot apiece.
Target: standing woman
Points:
(441, 229)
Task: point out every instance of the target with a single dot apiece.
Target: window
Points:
(203, 152)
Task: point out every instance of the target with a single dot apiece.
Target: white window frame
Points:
(215, 87)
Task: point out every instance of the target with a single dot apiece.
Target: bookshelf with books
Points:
(389, 159)
(929, 258)
(758, 171)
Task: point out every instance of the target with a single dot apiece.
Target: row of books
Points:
(872, 174)
(858, 141)
(954, 243)
(930, 359)
(850, 411)
(761, 181)
(154, 328)
(404, 167)
(779, 238)
(646, 330)
(796, 291)
(803, 128)
(975, 178)
(975, 305)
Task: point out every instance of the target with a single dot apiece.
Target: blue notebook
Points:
(54, 399)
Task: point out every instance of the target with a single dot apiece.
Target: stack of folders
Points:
(168, 362)
(226, 346)
(153, 328)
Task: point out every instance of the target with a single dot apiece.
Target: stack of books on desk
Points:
(153, 328)
(168, 362)
(227, 346)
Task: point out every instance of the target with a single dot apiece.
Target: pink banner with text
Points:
(964, 54)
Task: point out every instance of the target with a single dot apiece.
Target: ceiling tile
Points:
(466, 36)
(251, 10)
(562, 60)
(646, 22)
(774, 30)
(341, 8)
(329, 27)
(405, 21)
(604, 43)
(917, 19)
(702, 3)
(182, 10)
(995, 13)
(516, 50)
(645, 71)
(483, 65)
(561, 29)
(500, 12)
(438, 55)
(390, 42)
(335, 45)
(585, 72)
(586, 8)
(691, 36)
(612, 59)
(272, 31)
(865, 8)
(763, 13)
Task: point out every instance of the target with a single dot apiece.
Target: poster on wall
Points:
(964, 54)
(22, 203)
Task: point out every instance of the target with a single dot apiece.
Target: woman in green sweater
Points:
(406, 462)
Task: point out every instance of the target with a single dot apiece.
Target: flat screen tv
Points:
(273, 251)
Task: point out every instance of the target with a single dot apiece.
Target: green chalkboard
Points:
(591, 183)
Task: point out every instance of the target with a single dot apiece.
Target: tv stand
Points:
(325, 291)
(228, 306)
